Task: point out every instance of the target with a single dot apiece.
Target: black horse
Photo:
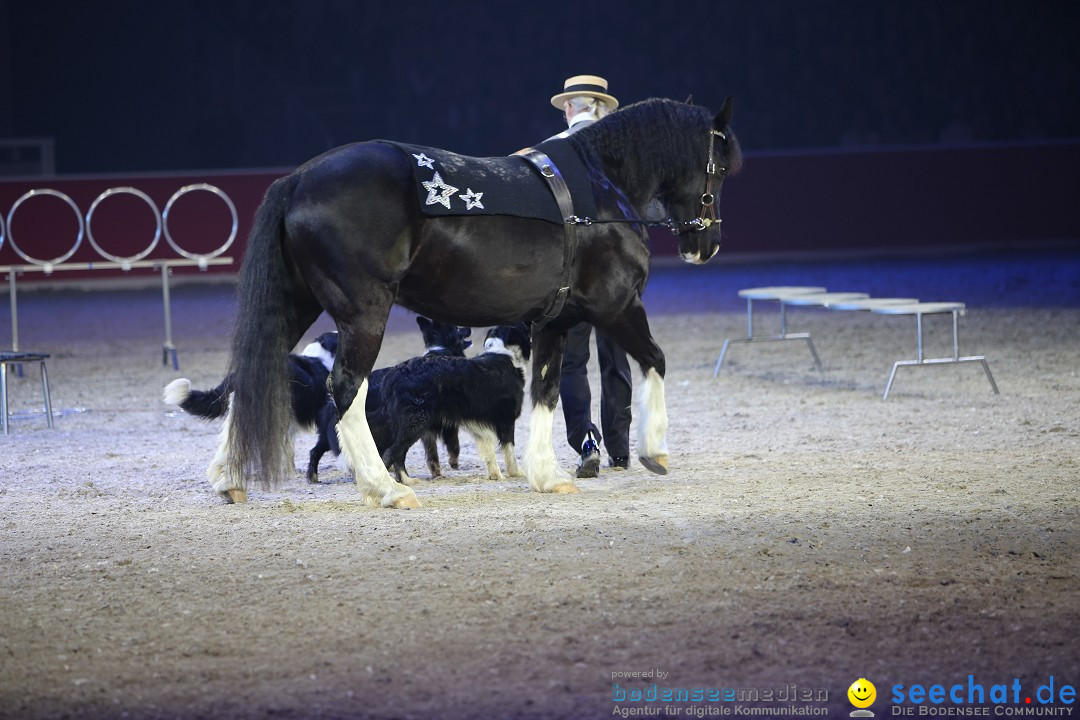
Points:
(346, 233)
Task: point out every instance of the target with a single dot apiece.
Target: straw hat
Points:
(585, 85)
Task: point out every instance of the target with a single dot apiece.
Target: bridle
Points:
(707, 214)
(706, 217)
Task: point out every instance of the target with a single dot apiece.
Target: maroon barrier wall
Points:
(45, 227)
(914, 198)
(811, 202)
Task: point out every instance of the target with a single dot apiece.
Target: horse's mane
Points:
(668, 137)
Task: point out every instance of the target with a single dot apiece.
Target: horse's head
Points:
(696, 194)
(673, 152)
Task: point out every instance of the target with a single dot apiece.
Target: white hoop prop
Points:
(139, 194)
(47, 264)
(208, 188)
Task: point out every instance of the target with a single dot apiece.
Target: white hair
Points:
(595, 107)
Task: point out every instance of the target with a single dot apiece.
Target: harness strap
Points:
(557, 185)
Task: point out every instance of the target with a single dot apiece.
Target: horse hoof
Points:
(567, 488)
(658, 464)
(406, 502)
(232, 497)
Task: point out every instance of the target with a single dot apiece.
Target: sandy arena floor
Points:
(810, 534)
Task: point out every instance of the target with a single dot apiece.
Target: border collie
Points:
(440, 339)
(482, 394)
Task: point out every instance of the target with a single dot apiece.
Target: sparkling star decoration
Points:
(438, 191)
(423, 160)
(472, 199)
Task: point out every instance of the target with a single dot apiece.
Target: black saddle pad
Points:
(452, 184)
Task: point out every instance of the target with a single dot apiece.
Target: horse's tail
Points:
(267, 328)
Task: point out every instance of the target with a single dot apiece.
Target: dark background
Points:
(168, 85)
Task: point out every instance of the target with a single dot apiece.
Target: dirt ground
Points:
(809, 534)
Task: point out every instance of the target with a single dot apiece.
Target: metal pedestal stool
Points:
(933, 308)
(17, 358)
(869, 303)
(770, 293)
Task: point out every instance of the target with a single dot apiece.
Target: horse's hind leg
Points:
(540, 464)
(221, 478)
(359, 342)
(630, 330)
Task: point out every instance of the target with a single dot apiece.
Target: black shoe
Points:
(589, 464)
(619, 462)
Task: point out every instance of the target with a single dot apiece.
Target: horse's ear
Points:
(690, 99)
(723, 118)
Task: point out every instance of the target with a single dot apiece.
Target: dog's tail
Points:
(208, 404)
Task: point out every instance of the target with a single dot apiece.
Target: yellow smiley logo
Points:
(862, 693)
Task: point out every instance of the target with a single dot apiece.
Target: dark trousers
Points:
(615, 391)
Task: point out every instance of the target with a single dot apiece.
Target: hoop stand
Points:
(113, 262)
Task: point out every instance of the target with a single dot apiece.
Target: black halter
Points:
(707, 215)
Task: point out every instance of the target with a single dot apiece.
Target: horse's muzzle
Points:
(696, 257)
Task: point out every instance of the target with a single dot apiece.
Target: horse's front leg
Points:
(539, 462)
(630, 329)
(372, 478)
(358, 347)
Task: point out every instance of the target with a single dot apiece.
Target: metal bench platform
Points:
(773, 293)
(956, 309)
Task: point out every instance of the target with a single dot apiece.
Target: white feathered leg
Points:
(358, 447)
(541, 466)
(652, 430)
(230, 488)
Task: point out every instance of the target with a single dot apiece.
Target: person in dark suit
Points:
(584, 100)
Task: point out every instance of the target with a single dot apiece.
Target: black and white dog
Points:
(308, 372)
(482, 394)
(440, 339)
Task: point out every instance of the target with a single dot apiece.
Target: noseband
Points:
(707, 214)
